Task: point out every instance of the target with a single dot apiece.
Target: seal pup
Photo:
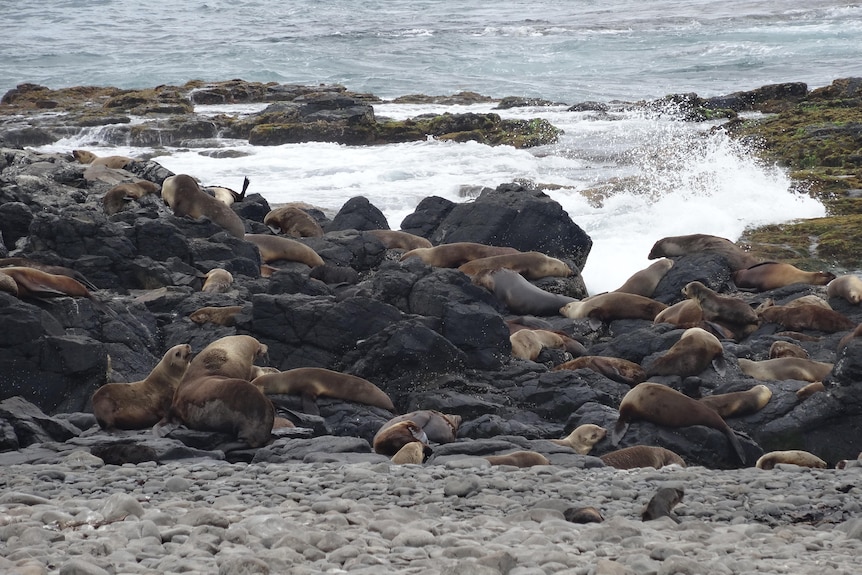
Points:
(582, 438)
(785, 368)
(683, 314)
(780, 348)
(615, 368)
(792, 457)
(519, 459)
(274, 248)
(583, 515)
(228, 196)
(293, 221)
(186, 198)
(672, 246)
(142, 404)
(456, 254)
(610, 306)
(663, 405)
(115, 162)
(218, 280)
(412, 453)
(519, 295)
(399, 240)
(117, 197)
(314, 382)
(641, 456)
(225, 316)
(738, 403)
(662, 504)
(646, 280)
(695, 350)
(531, 265)
(437, 426)
(529, 343)
(766, 276)
(807, 316)
(389, 440)
(727, 311)
(847, 287)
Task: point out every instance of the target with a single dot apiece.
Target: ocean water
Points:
(627, 178)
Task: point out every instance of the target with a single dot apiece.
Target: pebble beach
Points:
(460, 516)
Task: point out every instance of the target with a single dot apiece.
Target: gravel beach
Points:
(461, 516)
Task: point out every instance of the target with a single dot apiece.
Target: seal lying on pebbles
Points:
(437, 426)
(641, 456)
(583, 438)
(583, 515)
(314, 382)
(792, 457)
(414, 452)
(186, 198)
(389, 440)
(519, 459)
(662, 504)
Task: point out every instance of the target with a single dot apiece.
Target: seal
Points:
(56, 270)
(847, 287)
(766, 276)
(218, 280)
(646, 280)
(115, 162)
(610, 306)
(293, 221)
(314, 382)
(531, 265)
(785, 368)
(398, 240)
(389, 440)
(227, 196)
(693, 353)
(672, 246)
(274, 248)
(582, 438)
(683, 314)
(35, 283)
(437, 426)
(804, 393)
(726, 311)
(186, 198)
(412, 453)
(791, 457)
(230, 356)
(641, 456)
(225, 316)
(529, 343)
(115, 199)
(807, 316)
(142, 404)
(583, 515)
(8, 285)
(519, 295)
(662, 504)
(780, 348)
(456, 254)
(842, 343)
(738, 403)
(615, 368)
(519, 459)
(662, 405)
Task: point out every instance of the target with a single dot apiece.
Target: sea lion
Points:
(804, 393)
(56, 270)
(519, 459)
(314, 382)
(662, 405)
(231, 356)
(186, 198)
(437, 426)
(519, 295)
(293, 221)
(693, 353)
(848, 287)
(727, 311)
(583, 515)
(583, 438)
(738, 403)
(842, 343)
(792, 456)
(641, 456)
(227, 196)
(529, 343)
(456, 254)
(399, 240)
(218, 280)
(780, 348)
(115, 199)
(274, 248)
(389, 440)
(766, 276)
(531, 265)
(807, 316)
(610, 306)
(811, 298)
(35, 283)
(671, 246)
(683, 314)
(785, 368)
(115, 162)
(412, 453)
(142, 404)
(646, 280)
(225, 316)
(615, 368)
(662, 504)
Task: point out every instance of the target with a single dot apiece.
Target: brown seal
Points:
(583, 438)
(115, 199)
(389, 440)
(583, 515)
(842, 343)
(412, 453)
(115, 162)
(32, 282)
(847, 287)
(225, 195)
(456, 254)
(727, 311)
(672, 246)
(218, 280)
(399, 240)
(662, 405)
(738, 403)
(646, 280)
(785, 368)
(531, 265)
(610, 306)
(519, 295)
(529, 343)
(56, 270)
(804, 393)
(615, 368)
(780, 348)
(519, 459)
(314, 382)
(662, 504)
(274, 248)
(225, 316)
(293, 221)
(807, 316)
(683, 314)
(693, 353)
(792, 457)
(641, 456)
(186, 198)
(142, 404)
(772, 275)
(437, 426)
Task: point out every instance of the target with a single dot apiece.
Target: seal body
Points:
(186, 198)
(583, 438)
(641, 456)
(615, 368)
(389, 440)
(693, 353)
(32, 282)
(739, 403)
(781, 348)
(529, 343)
(519, 459)
(848, 287)
(437, 426)
(792, 457)
(274, 248)
(115, 162)
(218, 280)
(115, 199)
(519, 295)
(314, 382)
(727, 311)
(531, 265)
(671, 246)
(785, 368)
(772, 275)
(646, 280)
(399, 240)
(293, 221)
(683, 314)
(456, 254)
(610, 306)
(412, 453)
(225, 316)
(807, 316)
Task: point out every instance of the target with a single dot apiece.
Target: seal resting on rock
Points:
(115, 199)
(693, 353)
(610, 306)
(437, 426)
(398, 240)
(115, 162)
(227, 196)
(727, 311)
(641, 456)
(791, 457)
(225, 315)
(293, 221)
(615, 368)
(186, 198)
(772, 275)
(218, 280)
(456, 254)
(646, 280)
(807, 316)
(313, 382)
(274, 248)
(671, 246)
(389, 440)
(662, 504)
(785, 368)
(583, 438)
(531, 265)
(738, 403)
(529, 343)
(519, 295)
(847, 287)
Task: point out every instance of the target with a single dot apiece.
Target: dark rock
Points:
(358, 213)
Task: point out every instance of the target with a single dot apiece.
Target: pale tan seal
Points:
(142, 404)
(186, 198)
(389, 440)
(738, 403)
(115, 162)
(672, 246)
(696, 350)
(728, 311)
(412, 453)
(780, 348)
(662, 405)
(641, 456)
(529, 343)
(784, 368)
(8, 285)
(791, 457)
(646, 280)
(610, 306)
(399, 240)
(807, 316)
(804, 393)
(847, 287)
(230, 356)
(456, 254)
(772, 275)
(583, 438)
(314, 382)
(519, 295)
(615, 368)
(683, 314)
(225, 315)
(32, 282)
(275, 248)
(662, 503)
(531, 265)
(437, 426)
(812, 299)
(519, 459)
(218, 280)
(293, 221)
(116, 198)
(225, 195)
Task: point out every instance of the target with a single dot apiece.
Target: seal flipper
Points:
(737, 446)
(619, 430)
(309, 404)
(245, 183)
